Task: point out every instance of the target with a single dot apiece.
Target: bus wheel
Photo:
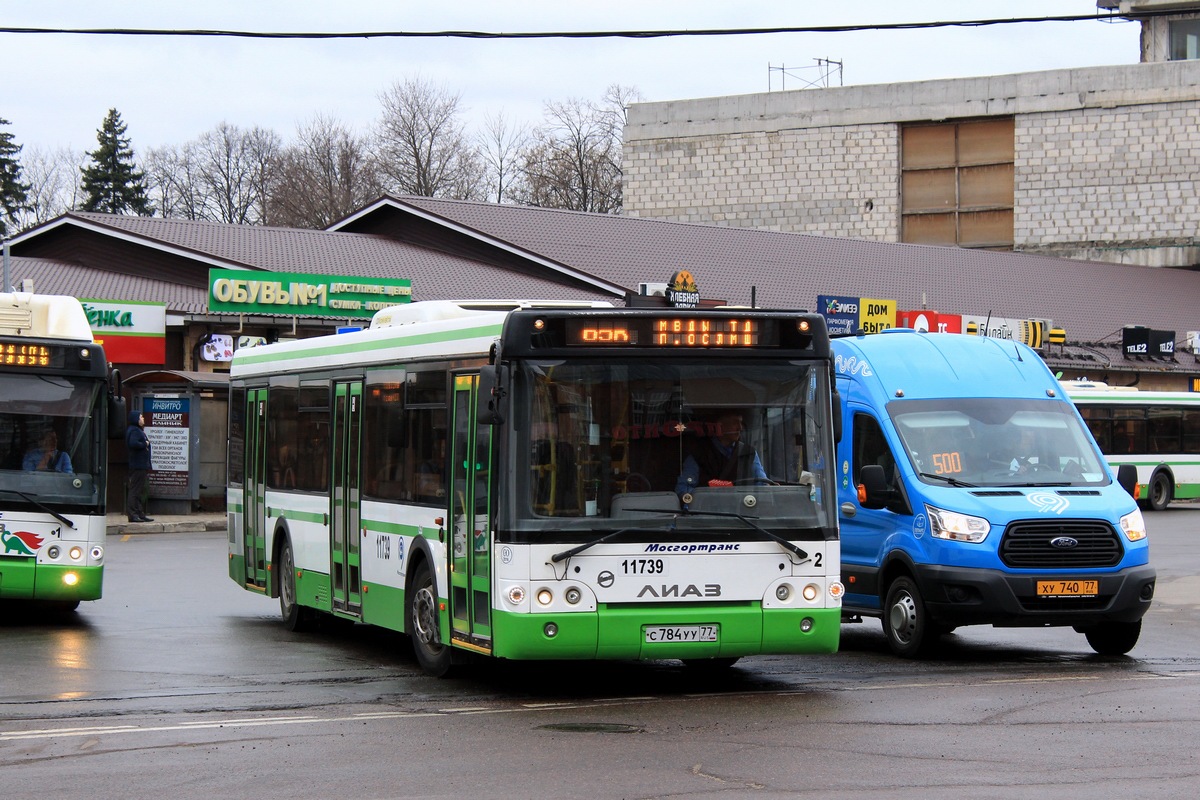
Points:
(1159, 491)
(295, 616)
(1113, 638)
(432, 654)
(910, 632)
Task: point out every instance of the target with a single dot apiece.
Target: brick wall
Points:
(832, 181)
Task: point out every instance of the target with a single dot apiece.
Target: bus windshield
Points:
(639, 445)
(997, 442)
(50, 442)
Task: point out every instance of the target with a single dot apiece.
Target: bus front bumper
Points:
(23, 579)
(621, 633)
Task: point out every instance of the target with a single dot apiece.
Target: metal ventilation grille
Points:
(1027, 545)
(15, 320)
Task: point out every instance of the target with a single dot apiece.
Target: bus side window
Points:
(1100, 427)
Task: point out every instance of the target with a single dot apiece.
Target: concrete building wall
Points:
(1107, 159)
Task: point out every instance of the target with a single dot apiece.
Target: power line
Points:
(657, 34)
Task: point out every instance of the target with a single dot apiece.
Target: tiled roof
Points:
(1091, 300)
(435, 275)
(60, 277)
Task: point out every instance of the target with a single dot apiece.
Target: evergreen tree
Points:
(14, 195)
(113, 183)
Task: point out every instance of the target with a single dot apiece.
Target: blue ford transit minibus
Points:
(972, 493)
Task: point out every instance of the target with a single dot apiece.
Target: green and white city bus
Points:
(56, 403)
(505, 479)
(1157, 432)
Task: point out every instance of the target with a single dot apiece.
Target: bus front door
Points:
(345, 530)
(470, 555)
(254, 501)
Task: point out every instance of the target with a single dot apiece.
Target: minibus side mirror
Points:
(873, 489)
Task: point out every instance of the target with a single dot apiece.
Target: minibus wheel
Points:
(1113, 638)
(910, 632)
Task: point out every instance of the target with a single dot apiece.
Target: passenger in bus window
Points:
(46, 457)
(721, 459)
(285, 468)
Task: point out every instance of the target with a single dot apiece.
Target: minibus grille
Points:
(1030, 544)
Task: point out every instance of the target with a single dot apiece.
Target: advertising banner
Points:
(876, 315)
(932, 321)
(841, 314)
(130, 332)
(168, 427)
(302, 294)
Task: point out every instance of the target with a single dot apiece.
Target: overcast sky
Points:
(57, 88)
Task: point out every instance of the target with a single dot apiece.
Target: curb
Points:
(188, 526)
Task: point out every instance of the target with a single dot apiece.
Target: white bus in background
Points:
(59, 405)
(1157, 432)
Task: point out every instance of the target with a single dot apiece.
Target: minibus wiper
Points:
(43, 507)
(769, 534)
(948, 479)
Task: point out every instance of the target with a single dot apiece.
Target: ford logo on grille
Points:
(1063, 542)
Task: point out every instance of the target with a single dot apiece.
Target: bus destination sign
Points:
(29, 355)
(672, 331)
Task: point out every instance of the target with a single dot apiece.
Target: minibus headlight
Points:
(1134, 525)
(956, 527)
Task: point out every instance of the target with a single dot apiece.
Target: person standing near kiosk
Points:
(138, 445)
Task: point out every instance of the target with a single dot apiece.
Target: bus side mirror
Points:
(1127, 479)
(117, 416)
(874, 491)
(493, 389)
(837, 417)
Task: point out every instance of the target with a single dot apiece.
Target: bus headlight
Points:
(1134, 525)
(955, 526)
(516, 595)
(544, 596)
(53, 552)
(97, 553)
(70, 578)
(76, 553)
(811, 592)
(573, 595)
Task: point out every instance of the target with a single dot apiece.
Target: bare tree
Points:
(53, 178)
(574, 158)
(222, 176)
(500, 146)
(422, 145)
(324, 176)
(234, 165)
(173, 181)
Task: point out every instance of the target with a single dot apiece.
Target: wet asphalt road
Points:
(178, 684)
